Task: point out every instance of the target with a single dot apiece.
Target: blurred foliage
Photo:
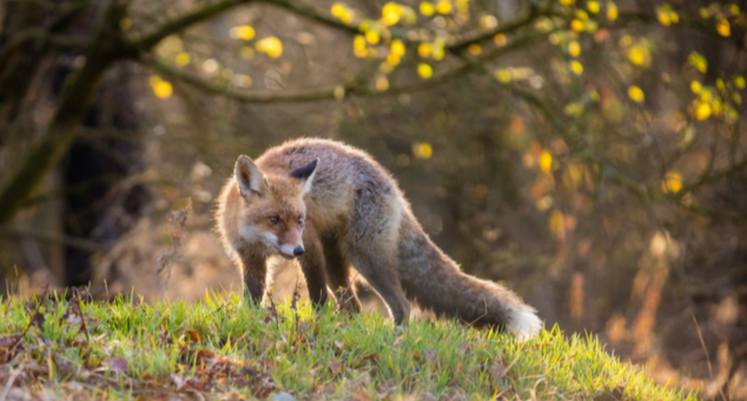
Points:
(592, 153)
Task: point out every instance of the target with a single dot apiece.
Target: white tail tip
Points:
(524, 323)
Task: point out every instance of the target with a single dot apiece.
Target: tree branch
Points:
(510, 27)
(147, 41)
(303, 95)
(685, 22)
(245, 96)
(105, 49)
(47, 236)
(313, 14)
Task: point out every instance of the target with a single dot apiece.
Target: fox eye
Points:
(274, 219)
(300, 221)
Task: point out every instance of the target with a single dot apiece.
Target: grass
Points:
(222, 349)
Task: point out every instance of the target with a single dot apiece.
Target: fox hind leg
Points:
(379, 268)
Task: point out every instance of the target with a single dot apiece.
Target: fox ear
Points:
(249, 177)
(306, 174)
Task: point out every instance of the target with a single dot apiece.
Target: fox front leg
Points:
(254, 272)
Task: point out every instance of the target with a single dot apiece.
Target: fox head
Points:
(273, 212)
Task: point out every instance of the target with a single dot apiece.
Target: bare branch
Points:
(314, 14)
(147, 41)
(205, 12)
(74, 101)
(702, 25)
(48, 236)
(709, 176)
(245, 96)
(510, 27)
(17, 43)
(355, 89)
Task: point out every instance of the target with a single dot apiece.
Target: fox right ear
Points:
(249, 177)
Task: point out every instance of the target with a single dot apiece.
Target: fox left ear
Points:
(306, 174)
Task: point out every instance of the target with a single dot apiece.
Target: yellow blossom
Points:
(427, 8)
(438, 49)
(636, 94)
(272, 46)
(359, 46)
(720, 84)
(422, 150)
(592, 6)
(702, 111)
(243, 32)
(557, 223)
(397, 48)
(637, 55)
(611, 11)
(718, 108)
(545, 161)
(443, 6)
(474, 49)
(425, 70)
(672, 182)
(182, 59)
(663, 17)
(739, 82)
(342, 12)
(705, 95)
(391, 13)
(698, 61)
(372, 37)
(723, 27)
(503, 76)
(577, 67)
(574, 49)
(424, 49)
(162, 89)
(500, 40)
(695, 86)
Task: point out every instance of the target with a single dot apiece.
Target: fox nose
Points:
(299, 251)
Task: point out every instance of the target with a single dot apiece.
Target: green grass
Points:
(224, 349)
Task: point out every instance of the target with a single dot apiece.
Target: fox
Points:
(336, 210)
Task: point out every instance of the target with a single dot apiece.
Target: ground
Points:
(221, 348)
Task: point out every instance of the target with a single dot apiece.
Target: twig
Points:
(9, 384)
(178, 221)
(531, 16)
(708, 358)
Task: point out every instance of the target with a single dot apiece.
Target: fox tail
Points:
(435, 282)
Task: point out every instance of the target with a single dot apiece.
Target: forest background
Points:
(589, 154)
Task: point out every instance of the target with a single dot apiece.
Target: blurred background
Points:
(590, 154)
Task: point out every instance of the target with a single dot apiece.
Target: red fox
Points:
(332, 207)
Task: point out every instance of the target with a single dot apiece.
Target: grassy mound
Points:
(222, 349)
